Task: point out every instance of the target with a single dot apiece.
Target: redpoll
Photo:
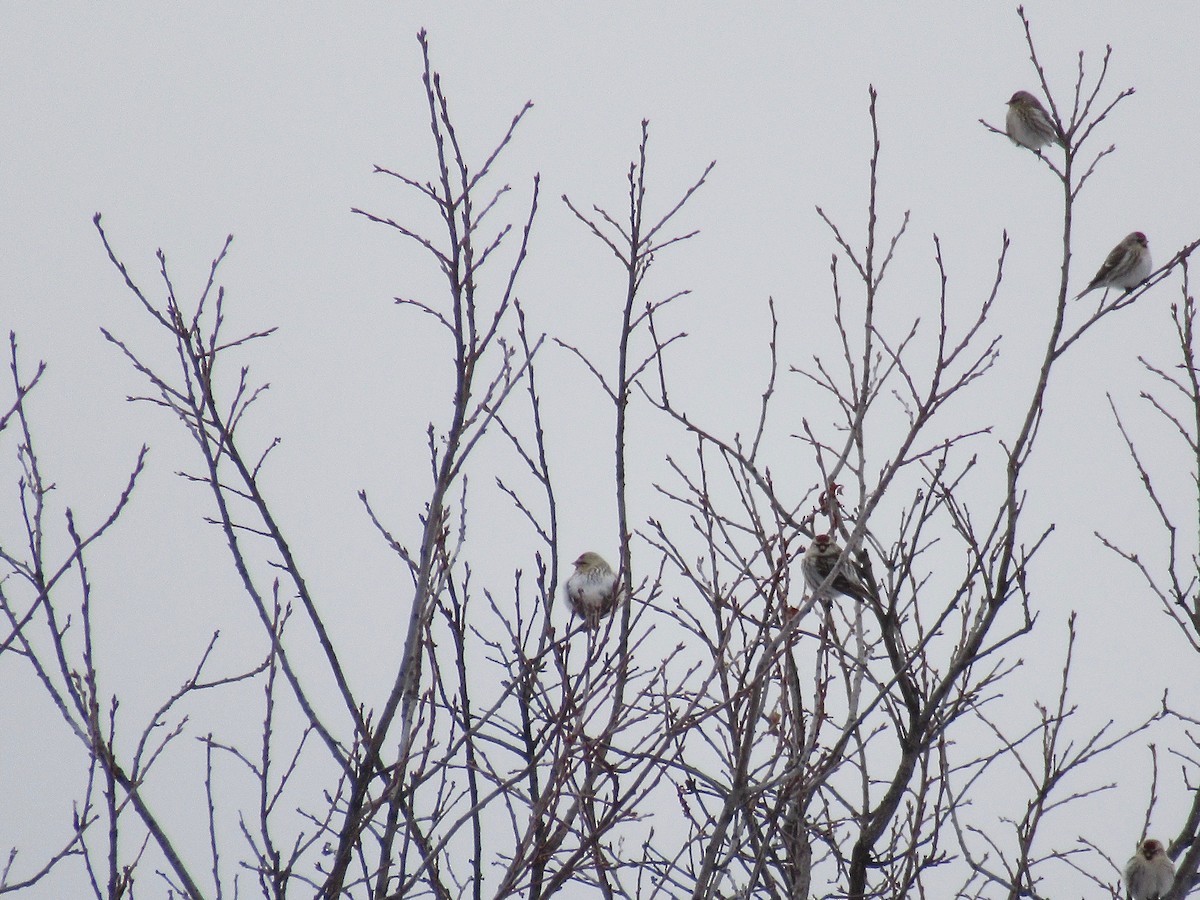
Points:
(592, 590)
(820, 558)
(1028, 124)
(1150, 873)
(1127, 266)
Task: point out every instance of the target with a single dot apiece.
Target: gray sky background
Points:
(183, 123)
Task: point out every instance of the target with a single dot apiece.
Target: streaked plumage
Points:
(1150, 873)
(592, 589)
(1127, 266)
(820, 558)
(1028, 124)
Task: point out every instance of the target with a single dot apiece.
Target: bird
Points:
(592, 589)
(1028, 124)
(820, 558)
(1127, 266)
(1150, 873)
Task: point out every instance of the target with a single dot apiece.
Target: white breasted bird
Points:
(820, 558)
(1150, 873)
(1127, 265)
(592, 590)
(1028, 124)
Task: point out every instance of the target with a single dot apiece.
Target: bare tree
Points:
(739, 726)
(1175, 584)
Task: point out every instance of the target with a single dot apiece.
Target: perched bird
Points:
(592, 589)
(1150, 873)
(820, 558)
(1028, 124)
(1127, 266)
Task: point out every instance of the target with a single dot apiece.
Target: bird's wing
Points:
(1114, 261)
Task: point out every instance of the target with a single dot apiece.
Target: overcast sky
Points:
(183, 123)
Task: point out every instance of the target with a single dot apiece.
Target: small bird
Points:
(592, 589)
(1150, 873)
(1028, 124)
(1127, 266)
(820, 558)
